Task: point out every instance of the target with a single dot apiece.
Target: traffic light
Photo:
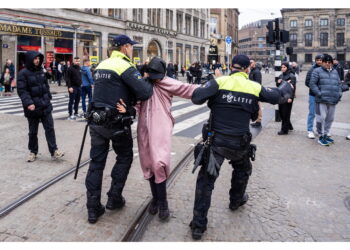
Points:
(270, 35)
(284, 35)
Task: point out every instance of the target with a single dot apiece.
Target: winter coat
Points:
(33, 87)
(73, 77)
(2, 79)
(170, 71)
(155, 125)
(340, 71)
(11, 67)
(255, 75)
(308, 77)
(86, 76)
(286, 76)
(326, 86)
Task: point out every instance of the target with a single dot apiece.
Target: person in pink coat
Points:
(154, 132)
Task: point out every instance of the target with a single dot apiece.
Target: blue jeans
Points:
(85, 90)
(74, 99)
(311, 115)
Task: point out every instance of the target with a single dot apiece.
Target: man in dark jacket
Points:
(255, 75)
(325, 84)
(34, 91)
(170, 71)
(311, 115)
(339, 68)
(74, 87)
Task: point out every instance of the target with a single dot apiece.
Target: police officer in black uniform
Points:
(233, 101)
(116, 79)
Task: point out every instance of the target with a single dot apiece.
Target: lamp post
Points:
(75, 26)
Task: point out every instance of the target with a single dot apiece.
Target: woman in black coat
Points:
(286, 108)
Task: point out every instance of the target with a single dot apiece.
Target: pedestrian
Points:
(154, 132)
(176, 68)
(86, 89)
(339, 68)
(59, 73)
(233, 101)
(34, 91)
(183, 70)
(116, 78)
(6, 80)
(170, 71)
(255, 75)
(198, 73)
(9, 65)
(74, 88)
(311, 115)
(285, 109)
(325, 84)
(54, 69)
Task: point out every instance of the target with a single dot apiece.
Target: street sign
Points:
(228, 39)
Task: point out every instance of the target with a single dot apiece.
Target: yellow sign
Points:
(137, 60)
(94, 60)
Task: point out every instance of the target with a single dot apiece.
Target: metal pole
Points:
(278, 63)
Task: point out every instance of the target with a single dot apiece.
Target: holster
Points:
(252, 150)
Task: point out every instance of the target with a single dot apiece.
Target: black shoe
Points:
(282, 133)
(197, 232)
(235, 205)
(94, 213)
(115, 202)
(153, 207)
(164, 212)
(291, 127)
(256, 124)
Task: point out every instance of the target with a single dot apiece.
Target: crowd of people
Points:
(122, 90)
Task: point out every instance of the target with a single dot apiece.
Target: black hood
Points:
(30, 57)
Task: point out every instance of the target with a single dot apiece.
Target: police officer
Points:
(116, 79)
(233, 101)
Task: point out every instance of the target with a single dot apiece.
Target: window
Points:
(202, 29)
(153, 17)
(137, 15)
(293, 23)
(293, 40)
(179, 21)
(324, 22)
(213, 24)
(308, 39)
(149, 16)
(93, 11)
(158, 18)
(341, 22)
(134, 15)
(308, 58)
(115, 13)
(195, 26)
(188, 25)
(324, 39)
(308, 23)
(340, 39)
(169, 19)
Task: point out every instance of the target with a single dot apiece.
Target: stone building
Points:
(223, 23)
(177, 35)
(252, 42)
(315, 31)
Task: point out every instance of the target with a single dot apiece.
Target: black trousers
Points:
(48, 125)
(242, 169)
(122, 146)
(74, 98)
(285, 113)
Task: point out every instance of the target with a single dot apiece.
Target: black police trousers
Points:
(47, 121)
(285, 110)
(242, 169)
(122, 146)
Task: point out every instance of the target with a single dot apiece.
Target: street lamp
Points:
(75, 26)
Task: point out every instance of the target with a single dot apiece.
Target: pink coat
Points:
(155, 126)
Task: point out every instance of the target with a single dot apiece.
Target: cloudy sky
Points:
(251, 15)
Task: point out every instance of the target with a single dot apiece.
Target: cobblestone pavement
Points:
(297, 189)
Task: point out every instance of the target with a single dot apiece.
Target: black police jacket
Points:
(33, 87)
(117, 78)
(233, 101)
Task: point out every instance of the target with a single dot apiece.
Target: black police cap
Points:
(240, 62)
(123, 39)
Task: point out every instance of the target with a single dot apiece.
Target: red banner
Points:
(28, 48)
(49, 58)
(63, 50)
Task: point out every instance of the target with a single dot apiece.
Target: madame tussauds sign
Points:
(33, 31)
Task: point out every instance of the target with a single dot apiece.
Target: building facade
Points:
(252, 42)
(316, 31)
(177, 35)
(223, 23)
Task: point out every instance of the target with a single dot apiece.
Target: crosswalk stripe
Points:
(190, 122)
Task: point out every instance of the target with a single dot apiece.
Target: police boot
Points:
(236, 204)
(197, 232)
(115, 198)
(94, 207)
(153, 207)
(162, 201)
